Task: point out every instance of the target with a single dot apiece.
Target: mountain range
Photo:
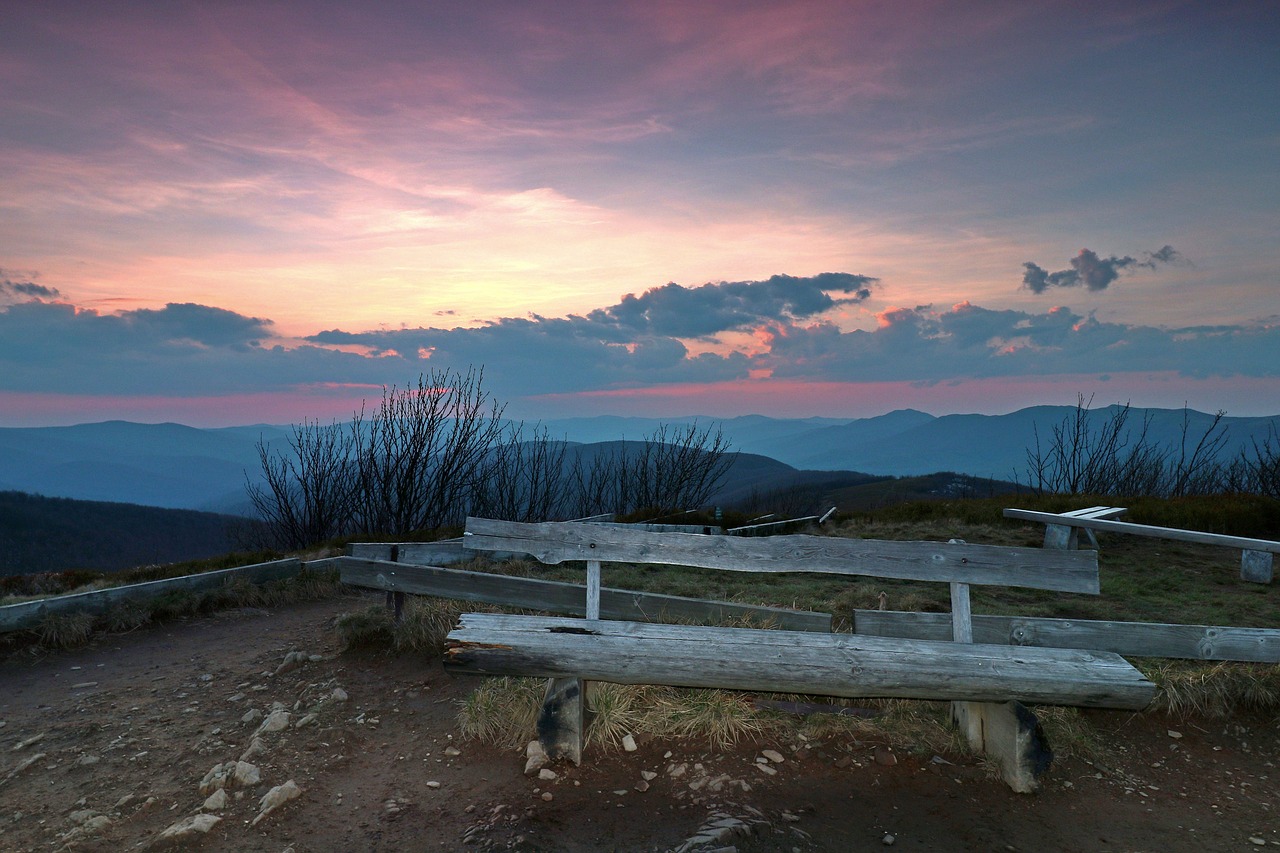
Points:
(176, 466)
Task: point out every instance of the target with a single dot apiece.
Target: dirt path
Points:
(123, 732)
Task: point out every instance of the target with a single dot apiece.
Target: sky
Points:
(227, 213)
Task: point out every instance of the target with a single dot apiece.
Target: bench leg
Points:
(1061, 537)
(560, 722)
(1010, 733)
(1255, 566)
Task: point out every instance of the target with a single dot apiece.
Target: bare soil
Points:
(127, 727)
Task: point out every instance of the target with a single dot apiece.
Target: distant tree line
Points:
(1087, 454)
(433, 453)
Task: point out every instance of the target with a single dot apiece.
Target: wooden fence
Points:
(28, 614)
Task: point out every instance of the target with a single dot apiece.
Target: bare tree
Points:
(306, 491)
(419, 456)
(673, 468)
(524, 479)
(1089, 455)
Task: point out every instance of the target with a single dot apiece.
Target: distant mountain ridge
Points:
(39, 534)
(171, 465)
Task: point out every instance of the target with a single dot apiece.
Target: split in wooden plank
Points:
(559, 597)
(847, 665)
(557, 542)
(1136, 639)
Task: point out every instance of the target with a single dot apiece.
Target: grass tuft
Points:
(502, 711)
(371, 627)
(1215, 690)
(65, 630)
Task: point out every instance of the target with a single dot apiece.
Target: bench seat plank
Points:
(844, 665)
(998, 565)
(1173, 533)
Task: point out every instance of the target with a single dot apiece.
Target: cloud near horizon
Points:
(189, 350)
(1094, 272)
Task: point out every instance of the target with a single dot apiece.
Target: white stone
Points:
(338, 695)
(251, 716)
(547, 773)
(277, 720)
(187, 827)
(216, 802)
(433, 784)
(773, 755)
(246, 775)
(275, 798)
(629, 743)
(648, 775)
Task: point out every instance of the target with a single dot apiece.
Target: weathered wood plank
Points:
(556, 542)
(28, 614)
(558, 597)
(1129, 527)
(1135, 639)
(789, 662)
(440, 553)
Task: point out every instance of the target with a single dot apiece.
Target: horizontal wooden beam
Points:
(1132, 529)
(556, 542)
(1136, 639)
(845, 665)
(423, 553)
(28, 614)
(558, 597)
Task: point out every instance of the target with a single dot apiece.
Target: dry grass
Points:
(502, 711)
(1214, 690)
(65, 630)
(68, 630)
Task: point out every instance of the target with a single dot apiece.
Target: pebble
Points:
(452, 751)
(773, 755)
(648, 775)
(547, 796)
(1175, 735)
(547, 773)
(535, 758)
(629, 743)
(338, 695)
(251, 716)
(765, 768)
(433, 784)
(642, 786)
(888, 840)
(1261, 842)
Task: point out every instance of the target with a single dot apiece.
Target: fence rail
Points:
(558, 597)
(1137, 639)
(28, 614)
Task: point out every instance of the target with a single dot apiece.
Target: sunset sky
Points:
(222, 213)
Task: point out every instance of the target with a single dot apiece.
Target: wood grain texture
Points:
(791, 662)
(1136, 639)
(557, 597)
(17, 617)
(556, 542)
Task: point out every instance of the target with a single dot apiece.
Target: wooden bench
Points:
(1257, 555)
(986, 683)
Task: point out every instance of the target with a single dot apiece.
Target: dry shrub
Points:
(1215, 690)
(502, 711)
(125, 616)
(371, 627)
(65, 630)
